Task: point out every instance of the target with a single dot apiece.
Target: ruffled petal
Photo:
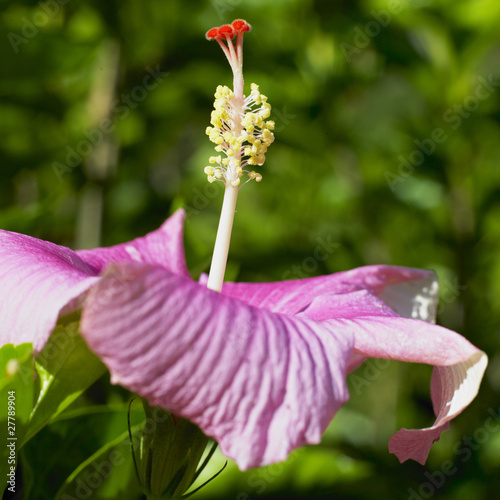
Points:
(453, 388)
(163, 247)
(379, 333)
(260, 383)
(410, 292)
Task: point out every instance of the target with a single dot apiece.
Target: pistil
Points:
(239, 131)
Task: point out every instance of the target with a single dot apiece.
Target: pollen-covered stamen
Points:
(243, 145)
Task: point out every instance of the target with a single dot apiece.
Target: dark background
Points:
(387, 149)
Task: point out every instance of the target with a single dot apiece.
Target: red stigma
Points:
(212, 33)
(233, 49)
(240, 26)
(228, 30)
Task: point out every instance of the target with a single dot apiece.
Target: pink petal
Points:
(260, 383)
(414, 341)
(410, 292)
(354, 305)
(37, 279)
(378, 333)
(163, 247)
(40, 280)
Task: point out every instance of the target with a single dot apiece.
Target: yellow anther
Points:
(270, 125)
(255, 175)
(235, 182)
(214, 134)
(265, 111)
(209, 170)
(267, 135)
(211, 179)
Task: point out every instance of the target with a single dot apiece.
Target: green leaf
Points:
(59, 449)
(106, 474)
(65, 367)
(17, 389)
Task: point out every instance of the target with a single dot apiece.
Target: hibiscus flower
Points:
(261, 368)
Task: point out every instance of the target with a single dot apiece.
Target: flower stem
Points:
(223, 238)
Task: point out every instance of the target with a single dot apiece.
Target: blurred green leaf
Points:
(17, 389)
(65, 368)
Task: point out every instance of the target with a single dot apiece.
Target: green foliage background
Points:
(355, 87)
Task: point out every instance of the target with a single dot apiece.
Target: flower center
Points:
(240, 133)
